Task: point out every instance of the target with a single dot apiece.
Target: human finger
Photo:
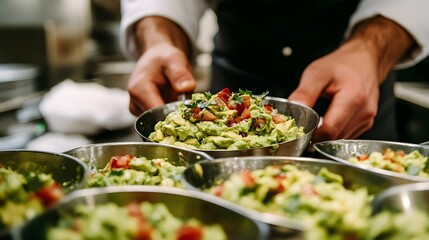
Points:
(312, 83)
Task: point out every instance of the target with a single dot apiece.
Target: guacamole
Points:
(226, 120)
(321, 201)
(413, 163)
(131, 170)
(23, 196)
(143, 220)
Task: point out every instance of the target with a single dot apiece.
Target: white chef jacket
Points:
(410, 14)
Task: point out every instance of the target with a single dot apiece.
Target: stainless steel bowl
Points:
(304, 116)
(68, 171)
(342, 150)
(221, 169)
(180, 202)
(99, 155)
(414, 196)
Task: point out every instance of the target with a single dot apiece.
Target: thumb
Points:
(310, 88)
(179, 73)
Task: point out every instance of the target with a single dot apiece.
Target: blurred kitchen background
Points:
(44, 42)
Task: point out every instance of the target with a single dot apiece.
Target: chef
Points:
(336, 56)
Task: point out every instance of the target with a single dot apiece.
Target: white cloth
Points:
(410, 14)
(85, 108)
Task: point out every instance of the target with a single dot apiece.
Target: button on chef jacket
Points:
(266, 44)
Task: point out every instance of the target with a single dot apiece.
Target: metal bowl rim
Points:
(88, 192)
(64, 155)
(369, 168)
(395, 190)
(279, 99)
(152, 144)
(270, 218)
(83, 181)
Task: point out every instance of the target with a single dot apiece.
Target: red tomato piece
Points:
(208, 116)
(144, 229)
(187, 232)
(245, 114)
(230, 121)
(245, 104)
(218, 190)
(247, 178)
(121, 161)
(309, 190)
(278, 118)
(363, 157)
(50, 194)
(224, 94)
(400, 153)
(238, 119)
(260, 122)
(268, 108)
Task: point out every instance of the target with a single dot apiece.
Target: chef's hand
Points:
(350, 77)
(163, 70)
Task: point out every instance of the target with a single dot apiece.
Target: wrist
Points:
(384, 40)
(154, 30)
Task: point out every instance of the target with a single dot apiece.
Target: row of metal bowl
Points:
(239, 222)
(69, 168)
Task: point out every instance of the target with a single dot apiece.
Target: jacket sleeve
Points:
(412, 15)
(185, 13)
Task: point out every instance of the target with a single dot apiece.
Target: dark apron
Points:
(266, 44)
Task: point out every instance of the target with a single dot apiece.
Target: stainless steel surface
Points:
(99, 155)
(342, 150)
(52, 34)
(180, 202)
(17, 80)
(220, 169)
(19, 123)
(303, 115)
(68, 171)
(403, 198)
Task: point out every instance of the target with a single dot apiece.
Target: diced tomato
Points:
(245, 104)
(398, 168)
(196, 110)
(260, 122)
(247, 178)
(218, 190)
(50, 194)
(278, 118)
(279, 178)
(388, 155)
(309, 190)
(143, 227)
(134, 210)
(363, 157)
(245, 114)
(208, 116)
(231, 105)
(224, 94)
(280, 188)
(196, 113)
(350, 236)
(143, 231)
(400, 153)
(158, 162)
(77, 225)
(230, 121)
(268, 108)
(238, 119)
(189, 233)
(121, 161)
(220, 102)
